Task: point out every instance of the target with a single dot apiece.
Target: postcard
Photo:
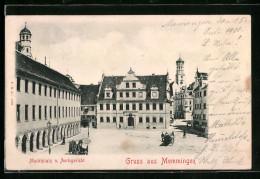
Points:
(128, 92)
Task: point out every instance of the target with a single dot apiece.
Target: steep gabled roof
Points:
(159, 81)
(30, 68)
(89, 94)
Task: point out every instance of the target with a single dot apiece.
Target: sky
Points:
(87, 46)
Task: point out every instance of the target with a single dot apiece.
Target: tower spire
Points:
(25, 24)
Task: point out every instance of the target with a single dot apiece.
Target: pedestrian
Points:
(119, 126)
(162, 136)
(172, 134)
(184, 134)
(49, 150)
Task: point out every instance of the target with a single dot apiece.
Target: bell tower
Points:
(24, 44)
(180, 72)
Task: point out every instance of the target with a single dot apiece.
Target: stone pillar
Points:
(50, 137)
(19, 143)
(34, 144)
(79, 128)
(59, 134)
(27, 144)
(68, 132)
(46, 139)
(40, 141)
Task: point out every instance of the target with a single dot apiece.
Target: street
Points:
(131, 141)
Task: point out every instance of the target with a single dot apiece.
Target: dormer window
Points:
(127, 85)
(108, 93)
(154, 92)
(154, 95)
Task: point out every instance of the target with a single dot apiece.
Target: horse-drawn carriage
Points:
(77, 149)
(168, 139)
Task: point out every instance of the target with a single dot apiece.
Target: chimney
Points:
(45, 61)
(153, 74)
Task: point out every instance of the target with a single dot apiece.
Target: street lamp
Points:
(88, 127)
(49, 127)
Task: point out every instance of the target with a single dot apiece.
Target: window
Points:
(147, 119)
(62, 94)
(121, 107)
(127, 94)
(45, 112)
(55, 92)
(114, 119)
(154, 106)
(134, 94)
(121, 94)
(63, 111)
(134, 106)
(140, 120)
(69, 111)
(140, 106)
(127, 85)
(108, 119)
(140, 94)
(74, 111)
(33, 87)
(50, 112)
(50, 90)
(40, 112)
(200, 93)
(147, 106)
(59, 112)
(40, 89)
(26, 112)
(18, 84)
(108, 106)
(18, 113)
(161, 106)
(69, 95)
(154, 119)
(101, 119)
(45, 90)
(204, 116)
(161, 120)
(200, 106)
(66, 95)
(154, 94)
(121, 119)
(101, 106)
(127, 106)
(33, 112)
(134, 85)
(59, 93)
(205, 106)
(55, 111)
(114, 106)
(66, 112)
(190, 108)
(108, 94)
(205, 93)
(26, 86)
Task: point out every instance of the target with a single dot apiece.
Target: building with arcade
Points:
(43, 96)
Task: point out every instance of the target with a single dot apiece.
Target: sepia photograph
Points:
(111, 92)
